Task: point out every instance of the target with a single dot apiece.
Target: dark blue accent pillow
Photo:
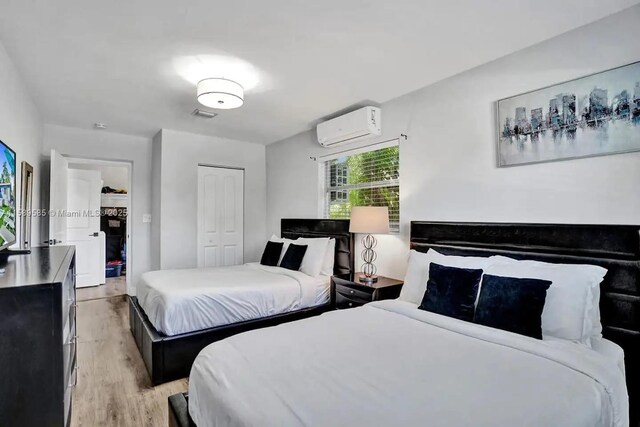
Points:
(293, 257)
(511, 304)
(451, 291)
(271, 254)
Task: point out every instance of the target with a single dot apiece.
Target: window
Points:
(364, 179)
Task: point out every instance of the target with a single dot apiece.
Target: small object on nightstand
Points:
(369, 220)
(347, 291)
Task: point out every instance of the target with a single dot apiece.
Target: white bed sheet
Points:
(610, 350)
(388, 363)
(187, 300)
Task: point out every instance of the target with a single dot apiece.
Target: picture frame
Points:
(26, 194)
(592, 115)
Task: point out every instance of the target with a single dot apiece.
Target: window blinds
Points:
(363, 179)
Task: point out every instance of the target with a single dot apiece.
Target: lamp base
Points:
(369, 269)
(365, 279)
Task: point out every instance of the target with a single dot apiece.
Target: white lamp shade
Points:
(220, 93)
(369, 220)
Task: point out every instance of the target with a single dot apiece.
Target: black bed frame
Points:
(615, 247)
(168, 358)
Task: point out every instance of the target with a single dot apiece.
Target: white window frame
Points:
(324, 192)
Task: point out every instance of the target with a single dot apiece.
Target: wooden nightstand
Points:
(348, 292)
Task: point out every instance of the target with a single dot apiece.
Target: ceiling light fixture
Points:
(220, 93)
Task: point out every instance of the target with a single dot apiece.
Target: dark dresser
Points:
(38, 338)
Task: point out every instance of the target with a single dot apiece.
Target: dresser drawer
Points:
(69, 352)
(354, 294)
(67, 406)
(69, 323)
(346, 302)
(68, 394)
(68, 293)
(71, 366)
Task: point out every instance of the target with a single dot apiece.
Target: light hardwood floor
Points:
(113, 386)
(114, 286)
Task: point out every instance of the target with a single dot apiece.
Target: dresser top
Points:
(42, 265)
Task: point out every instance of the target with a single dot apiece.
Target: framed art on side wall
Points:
(590, 116)
(26, 205)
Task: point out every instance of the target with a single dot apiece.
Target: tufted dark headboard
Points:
(336, 228)
(615, 247)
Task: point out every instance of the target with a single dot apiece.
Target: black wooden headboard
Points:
(336, 228)
(615, 247)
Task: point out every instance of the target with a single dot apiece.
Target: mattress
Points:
(388, 363)
(188, 300)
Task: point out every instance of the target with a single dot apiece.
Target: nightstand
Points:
(347, 291)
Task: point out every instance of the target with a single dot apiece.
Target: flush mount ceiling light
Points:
(220, 93)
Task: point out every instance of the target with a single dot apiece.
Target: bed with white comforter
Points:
(388, 363)
(187, 300)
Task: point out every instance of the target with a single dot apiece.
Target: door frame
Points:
(244, 202)
(129, 165)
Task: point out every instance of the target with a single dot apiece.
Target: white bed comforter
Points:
(180, 301)
(390, 364)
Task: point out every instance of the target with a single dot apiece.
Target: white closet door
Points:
(220, 216)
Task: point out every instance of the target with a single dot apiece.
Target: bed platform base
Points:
(179, 411)
(169, 358)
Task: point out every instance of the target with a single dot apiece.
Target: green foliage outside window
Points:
(374, 175)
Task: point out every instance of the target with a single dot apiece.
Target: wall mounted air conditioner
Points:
(351, 127)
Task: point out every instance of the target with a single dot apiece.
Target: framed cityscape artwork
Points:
(594, 115)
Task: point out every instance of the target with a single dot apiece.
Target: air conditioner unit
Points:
(351, 127)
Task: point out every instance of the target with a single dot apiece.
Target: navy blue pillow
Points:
(511, 304)
(293, 257)
(271, 254)
(451, 291)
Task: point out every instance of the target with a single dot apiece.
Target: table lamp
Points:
(369, 220)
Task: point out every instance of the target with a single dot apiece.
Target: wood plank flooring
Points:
(114, 286)
(113, 385)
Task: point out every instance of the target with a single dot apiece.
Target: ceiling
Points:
(133, 64)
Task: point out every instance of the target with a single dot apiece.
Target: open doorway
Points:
(114, 234)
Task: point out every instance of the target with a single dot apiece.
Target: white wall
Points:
(156, 204)
(21, 129)
(448, 164)
(116, 177)
(181, 152)
(95, 144)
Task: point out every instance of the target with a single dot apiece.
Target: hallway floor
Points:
(114, 286)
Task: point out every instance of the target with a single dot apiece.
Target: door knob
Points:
(94, 234)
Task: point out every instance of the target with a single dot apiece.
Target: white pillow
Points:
(569, 305)
(329, 258)
(415, 281)
(596, 324)
(286, 242)
(314, 256)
